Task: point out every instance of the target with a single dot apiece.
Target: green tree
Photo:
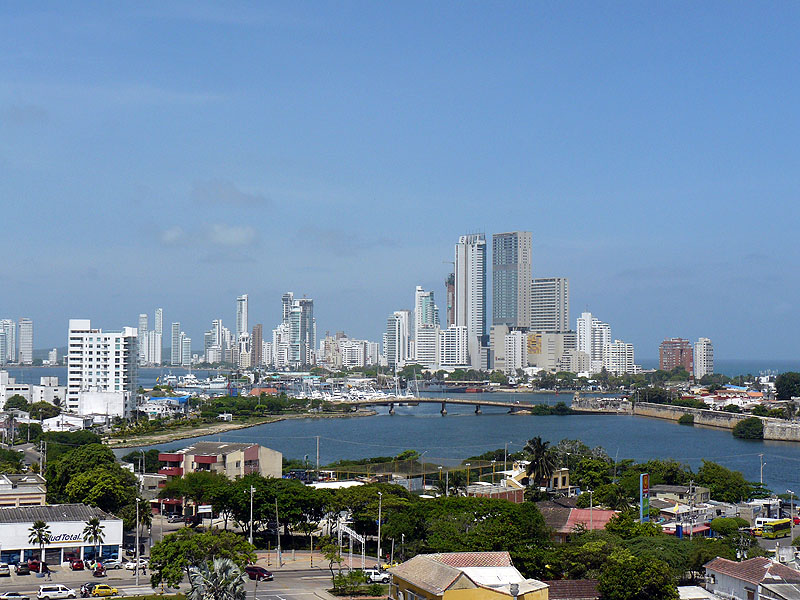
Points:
(627, 577)
(727, 525)
(44, 410)
(725, 485)
(751, 428)
(128, 515)
(787, 385)
(330, 550)
(151, 462)
(11, 461)
(542, 462)
(93, 533)
(106, 488)
(39, 535)
(81, 459)
(686, 419)
(498, 377)
(16, 402)
(173, 557)
(626, 525)
(221, 579)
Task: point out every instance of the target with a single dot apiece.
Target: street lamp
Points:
(468, 474)
(791, 515)
(252, 489)
(494, 462)
(505, 457)
(591, 511)
(380, 505)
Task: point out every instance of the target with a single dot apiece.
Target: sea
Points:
(462, 433)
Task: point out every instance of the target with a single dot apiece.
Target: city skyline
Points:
(141, 173)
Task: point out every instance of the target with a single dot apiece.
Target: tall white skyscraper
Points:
(703, 358)
(186, 350)
(593, 335)
(142, 333)
(9, 327)
(302, 332)
(176, 354)
(470, 294)
(26, 341)
(395, 346)
(550, 304)
(426, 327)
(158, 326)
(103, 367)
(241, 316)
(154, 341)
(618, 358)
(512, 266)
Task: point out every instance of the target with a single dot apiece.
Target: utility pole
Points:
(761, 463)
(252, 489)
(505, 458)
(691, 509)
(136, 569)
(317, 456)
(380, 505)
(278, 533)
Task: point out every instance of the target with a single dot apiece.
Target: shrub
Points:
(749, 429)
(686, 419)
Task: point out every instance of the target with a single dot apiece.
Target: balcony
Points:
(170, 457)
(205, 460)
(171, 471)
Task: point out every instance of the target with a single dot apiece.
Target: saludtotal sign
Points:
(69, 533)
(644, 497)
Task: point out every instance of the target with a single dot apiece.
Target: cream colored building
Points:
(22, 490)
(230, 459)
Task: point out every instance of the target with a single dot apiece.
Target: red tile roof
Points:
(754, 570)
(473, 559)
(573, 589)
(595, 518)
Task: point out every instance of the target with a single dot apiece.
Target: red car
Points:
(76, 564)
(34, 565)
(258, 573)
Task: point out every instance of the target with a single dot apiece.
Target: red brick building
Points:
(676, 352)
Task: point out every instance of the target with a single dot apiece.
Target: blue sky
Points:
(180, 155)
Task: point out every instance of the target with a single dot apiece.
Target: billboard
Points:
(644, 497)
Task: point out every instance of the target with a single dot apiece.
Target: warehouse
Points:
(66, 524)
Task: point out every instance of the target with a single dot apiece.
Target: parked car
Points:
(258, 573)
(76, 564)
(104, 590)
(55, 592)
(375, 576)
(14, 596)
(114, 563)
(4, 570)
(175, 518)
(22, 569)
(34, 565)
(131, 566)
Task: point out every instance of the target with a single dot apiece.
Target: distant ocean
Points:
(736, 366)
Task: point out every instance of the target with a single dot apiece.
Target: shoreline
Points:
(219, 428)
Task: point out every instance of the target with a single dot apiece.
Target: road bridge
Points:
(512, 407)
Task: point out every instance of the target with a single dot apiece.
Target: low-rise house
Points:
(22, 490)
(230, 459)
(564, 522)
(746, 580)
(487, 490)
(463, 576)
(573, 589)
(681, 493)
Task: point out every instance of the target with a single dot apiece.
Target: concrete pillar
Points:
(478, 409)
(391, 408)
(444, 409)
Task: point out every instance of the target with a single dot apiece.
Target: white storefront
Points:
(66, 523)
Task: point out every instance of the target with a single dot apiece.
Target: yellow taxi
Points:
(103, 589)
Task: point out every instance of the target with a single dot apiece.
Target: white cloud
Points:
(172, 236)
(221, 191)
(232, 235)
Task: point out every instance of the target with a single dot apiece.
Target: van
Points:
(55, 592)
(375, 576)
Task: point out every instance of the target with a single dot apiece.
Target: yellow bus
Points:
(777, 529)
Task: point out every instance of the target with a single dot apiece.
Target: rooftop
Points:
(755, 570)
(53, 513)
(573, 589)
(214, 448)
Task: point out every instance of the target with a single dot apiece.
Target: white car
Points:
(55, 592)
(131, 566)
(375, 576)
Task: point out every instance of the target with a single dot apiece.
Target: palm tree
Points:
(542, 460)
(93, 533)
(39, 535)
(221, 580)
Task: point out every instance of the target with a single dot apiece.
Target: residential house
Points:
(746, 580)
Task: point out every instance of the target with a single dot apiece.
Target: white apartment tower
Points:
(426, 327)
(703, 358)
(25, 341)
(9, 329)
(395, 347)
(470, 294)
(102, 365)
(241, 316)
(142, 333)
(550, 304)
(159, 321)
(186, 349)
(175, 354)
(618, 358)
(512, 265)
(593, 335)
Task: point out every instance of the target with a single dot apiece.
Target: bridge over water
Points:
(512, 407)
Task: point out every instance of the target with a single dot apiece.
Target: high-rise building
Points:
(618, 358)
(396, 343)
(302, 332)
(25, 341)
(186, 349)
(453, 350)
(703, 358)
(154, 339)
(512, 266)
(450, 290)
(257, 349)
(142, 333)
(9, 327)
(470, 294)
(426, 325)
(102, 373)
(159, 321)
(287, 301)
(52, 357)
(241, 316)
(593, 335)
(675, 352)
(176, 354)
(550, 304)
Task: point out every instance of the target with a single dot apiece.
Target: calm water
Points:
(462, 433)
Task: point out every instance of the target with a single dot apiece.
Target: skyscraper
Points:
(142, 333)
(25, 341)
(703, 358)
(241, 315)
(159, 321)
(618, 358)
(470, 294)
(257, 345)
(302, 332)
(395, 346)
(426, 327)
(593, 335)
(550, 304)
(186, 349)
(450, 287)
(512, 256)
(9, 327)
(175, 354)
(676, 352)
